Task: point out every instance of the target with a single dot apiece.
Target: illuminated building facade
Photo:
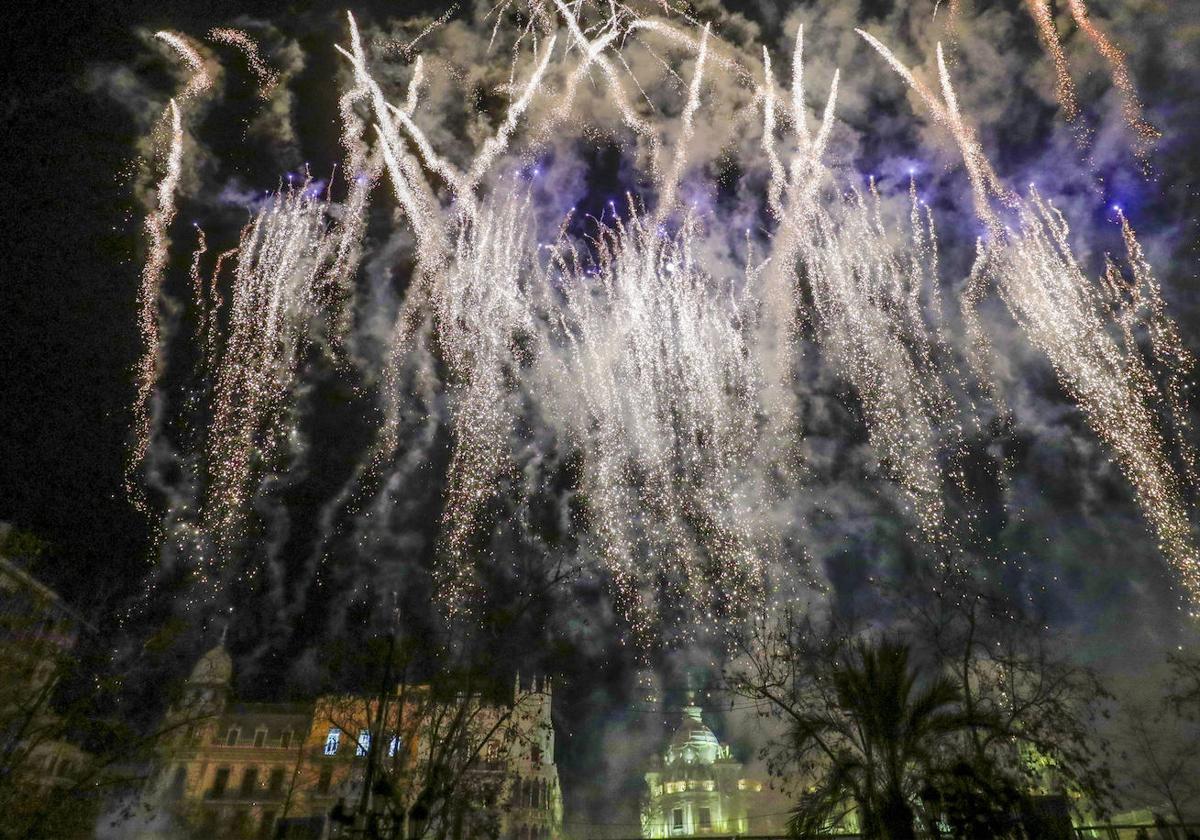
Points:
(698, 788)
(305, 770)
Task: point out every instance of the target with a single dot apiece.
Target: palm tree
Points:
(879, 727)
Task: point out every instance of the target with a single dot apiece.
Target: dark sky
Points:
(67, 327)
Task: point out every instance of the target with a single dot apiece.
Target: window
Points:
(677, 819)
(285, 740)
(332, 740)
(275, 782)
(249, 782)
(260, 737)
(393, 746)
(268, 823)
(705, 819)
(324, 781)
(364, 742)
(231, 738)
(220, 782)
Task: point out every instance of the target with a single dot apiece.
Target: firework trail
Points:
(1131, 106)
(267, 78)
(675, 381)
(272, 307)
(157, 224)
(666, 422)
(480, 313)
(866, 304)
(1065, 315)
(1064, 85)
(200, 80)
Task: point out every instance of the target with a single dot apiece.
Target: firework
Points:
(267, 78)
(1064, 314)
(672, 377)
(157, 223)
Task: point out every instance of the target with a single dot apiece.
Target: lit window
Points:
(710, 785)
(393, 746)
(364, 742)
(332, 740)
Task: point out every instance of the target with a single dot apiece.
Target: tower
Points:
(206, 691)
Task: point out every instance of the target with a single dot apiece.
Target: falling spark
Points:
(1063, 314)
(157, 223)
(675, 383)
(200, 80)
(267, 78)
(1064, 86)
(1131, 106)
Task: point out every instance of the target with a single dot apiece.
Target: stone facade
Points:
(265, 770)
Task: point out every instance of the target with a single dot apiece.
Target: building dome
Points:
(693, 742)
(214, 668)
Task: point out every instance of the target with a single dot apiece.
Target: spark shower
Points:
(661, 345)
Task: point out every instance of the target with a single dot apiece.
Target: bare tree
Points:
(1037, 713)
(1184, 689)
(1160, 751)
(429, 754)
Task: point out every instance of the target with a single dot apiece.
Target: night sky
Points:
(1071, 532)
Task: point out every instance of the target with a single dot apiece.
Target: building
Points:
(227, 769)
(325, 768)
(44, 773)
(698, 788)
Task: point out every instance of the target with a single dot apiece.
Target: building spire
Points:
(691, 709)
(225, 627)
